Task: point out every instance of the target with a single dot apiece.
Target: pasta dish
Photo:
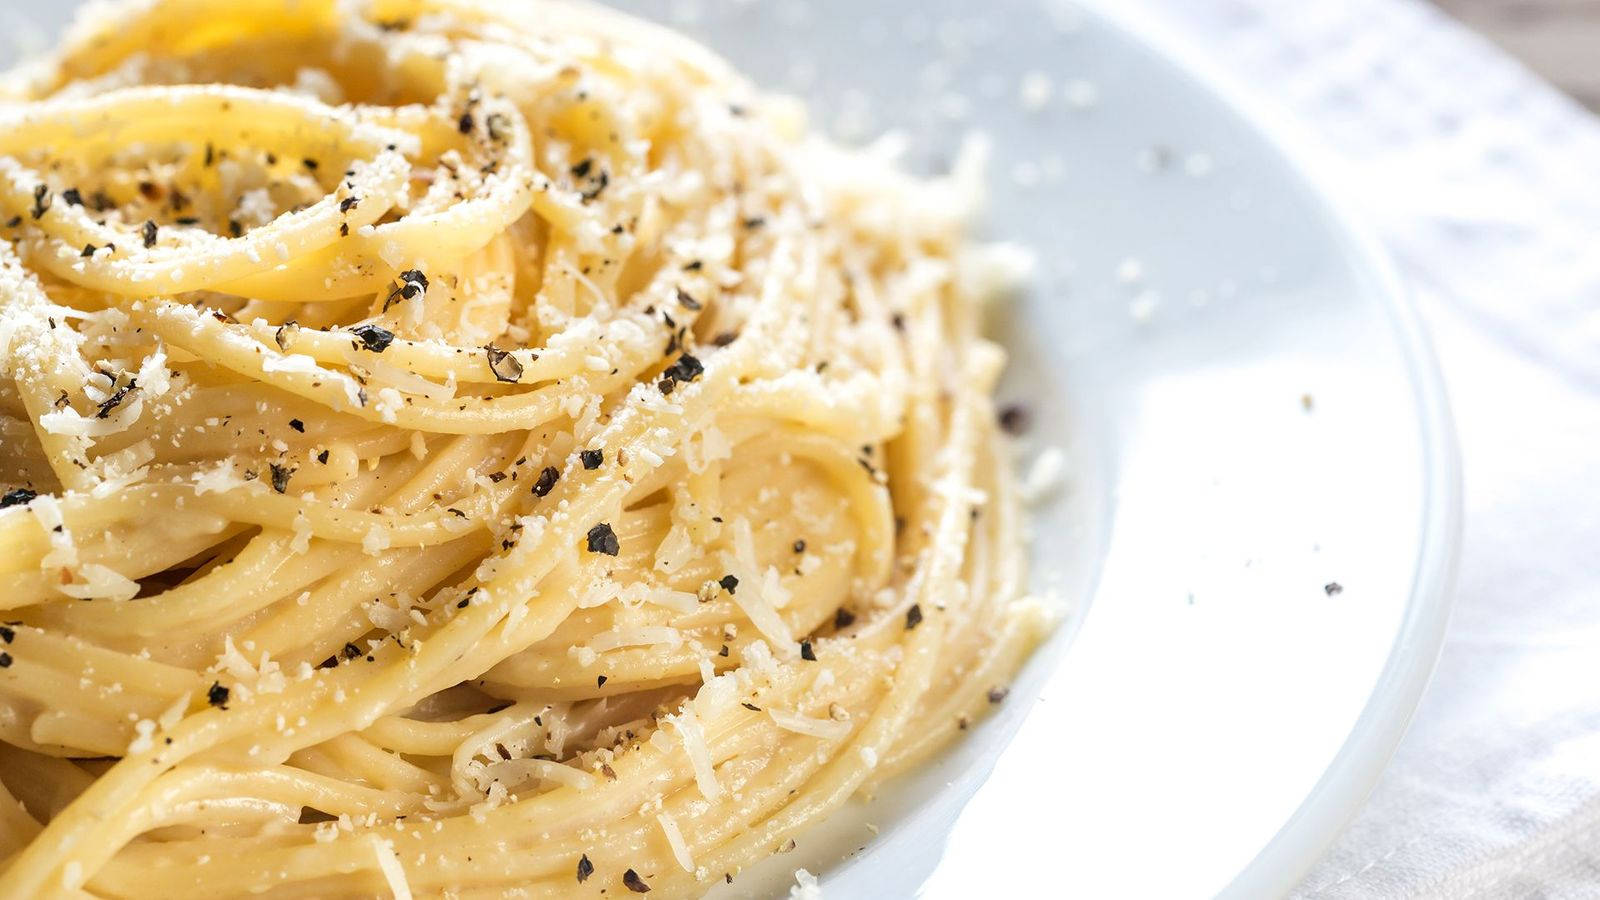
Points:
(467, 448)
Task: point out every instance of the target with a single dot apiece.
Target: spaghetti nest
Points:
(454, 447)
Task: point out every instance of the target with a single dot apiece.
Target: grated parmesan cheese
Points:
(637, 636)
(1035, 91)
(393, 872)
(694, 745)
(143, 731)
(376, 540)
(1045, 476)
(680, 848)
(806, 886)
(751, 596)
(827, 729)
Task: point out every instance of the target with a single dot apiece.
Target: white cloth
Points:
(1485, 183)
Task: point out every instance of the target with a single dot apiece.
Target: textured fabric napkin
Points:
(1485, 184)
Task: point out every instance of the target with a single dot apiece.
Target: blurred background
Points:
(1559, 39)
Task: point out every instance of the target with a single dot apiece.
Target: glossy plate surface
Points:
(1210, 714)
(1249, 414)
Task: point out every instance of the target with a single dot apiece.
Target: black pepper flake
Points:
(72, 197)
(686, 301)
(546, 482)
(591, 459)
(351, 651)
(344, 229)
(1333, 589)
(412, 283)
(585, 868)
(996, 694)
(498, 126)
(14, 221)
(843, 618)
(463, 603)
(751, 706)
(41, 201)
(7, 633)
(723, 651)
(235, 228)
(597, 186)
(581, 170)
(634, 883)
(465, 124)
(115, 400)
(280, 477)
(310, 163)
(806, 653)
(913, 616)
(349, 203)
(211, 154)
(148, 233)
(687, 368)
(603, 540)
(373, 338)
(725, 338)
(297, 425)
(217, 695)
(898, 321)
(729, 584)
(323, 457)
(800, 546)
(600, 681)
(88, 250)
(504, 366)
(754, 222)
(1015, 419)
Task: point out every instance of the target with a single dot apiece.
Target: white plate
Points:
(1212, 718)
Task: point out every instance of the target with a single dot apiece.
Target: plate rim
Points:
(1343, 788)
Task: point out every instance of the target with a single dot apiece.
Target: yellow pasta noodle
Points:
(464, 449)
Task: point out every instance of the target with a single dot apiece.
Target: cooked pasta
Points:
(465, 448)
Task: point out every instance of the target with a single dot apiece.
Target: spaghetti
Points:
(456, 448)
